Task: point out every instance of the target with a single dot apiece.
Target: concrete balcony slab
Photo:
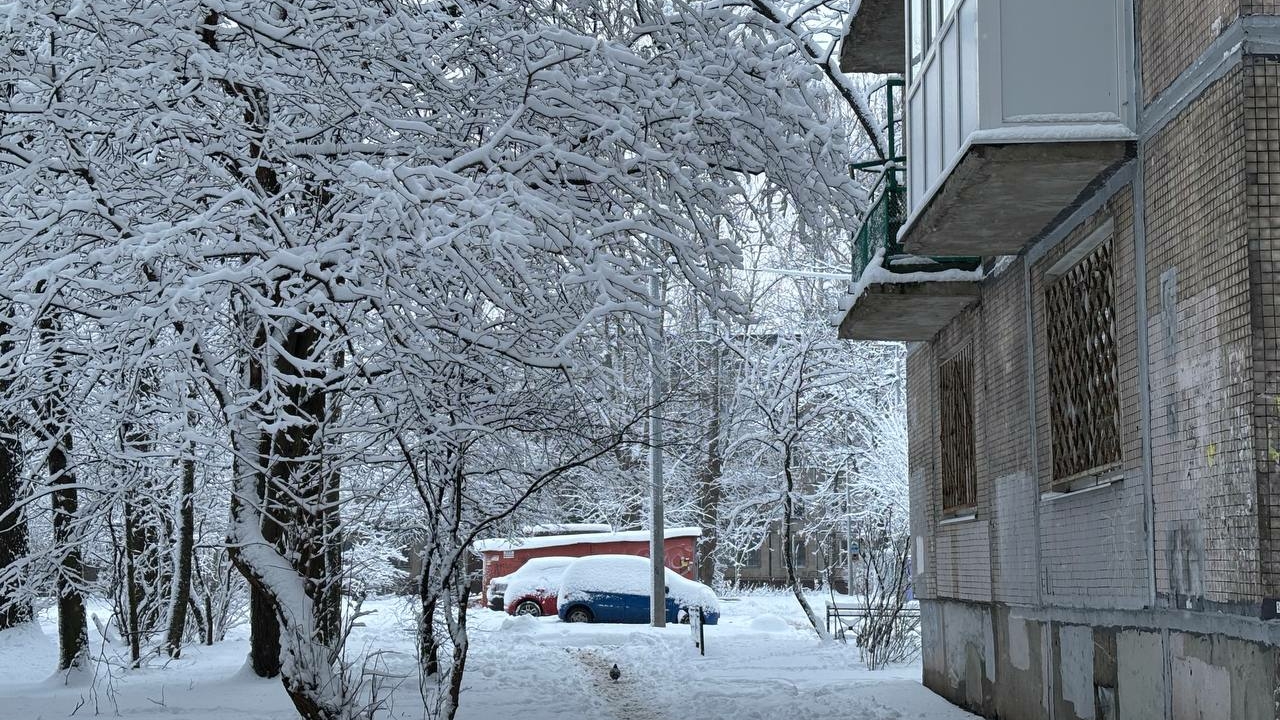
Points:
(999, 197)
(876, 41)
(906, 312)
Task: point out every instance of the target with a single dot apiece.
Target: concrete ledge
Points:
(1001, 196)
(876, 42)
(906, 311)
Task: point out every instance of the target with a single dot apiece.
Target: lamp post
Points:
(657, 388)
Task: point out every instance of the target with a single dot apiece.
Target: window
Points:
(919, 26)
(751, 558)
(798, 553)
(1084, 402)
(959, 466)
(947, 7)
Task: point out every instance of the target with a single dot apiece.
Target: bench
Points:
(847, 615)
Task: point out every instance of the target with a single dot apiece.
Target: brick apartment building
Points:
(1094, 368)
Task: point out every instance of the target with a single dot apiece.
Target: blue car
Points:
(615, 589)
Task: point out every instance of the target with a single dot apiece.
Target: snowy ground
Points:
(760, 663)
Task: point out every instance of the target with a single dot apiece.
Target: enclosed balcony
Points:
(1013, 110)
(895, 295)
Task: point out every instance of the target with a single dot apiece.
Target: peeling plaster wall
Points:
(1020, 687)
(969, 656)
(1074, 672)
(1140, 683)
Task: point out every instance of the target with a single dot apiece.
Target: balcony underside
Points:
(999, 197)
(876, 39)
(906, 312)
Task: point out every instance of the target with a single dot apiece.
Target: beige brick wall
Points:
(1003, 430)
(921, 462)
(1260, 7)
(1206, 527)
(1262, 211)
(1092, 545)
(1213, 259)
(1173, 33)
(963, 550)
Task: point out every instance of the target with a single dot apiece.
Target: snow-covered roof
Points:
(565, 528)
(500, 544)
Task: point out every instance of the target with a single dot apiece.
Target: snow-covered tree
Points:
(367, 244)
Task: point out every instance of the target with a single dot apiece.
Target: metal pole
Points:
(848, 536)
(657, 541)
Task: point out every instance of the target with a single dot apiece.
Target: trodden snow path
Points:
(621, 696)
(761, 663)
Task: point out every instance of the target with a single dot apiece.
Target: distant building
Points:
(819, 561)
(1084, 252)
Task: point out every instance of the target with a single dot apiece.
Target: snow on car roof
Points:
(629, 575)
(495, 544)
(535, 565)
(608, 573)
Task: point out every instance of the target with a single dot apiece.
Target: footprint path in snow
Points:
(622, 696)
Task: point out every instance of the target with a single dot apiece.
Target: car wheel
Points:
(529, 607)
(578, 613)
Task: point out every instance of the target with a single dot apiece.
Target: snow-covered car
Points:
(615, 589)
(532, 589)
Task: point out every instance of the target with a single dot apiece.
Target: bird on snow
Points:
(614, 673)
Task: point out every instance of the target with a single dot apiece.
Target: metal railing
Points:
(888, 210)
(879, 230)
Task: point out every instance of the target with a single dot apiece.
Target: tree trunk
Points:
(788, 549)
(709, 481)
(13, 524)
(209, 627)
(73, 634)
(428, 643)
(329, 607)
(264, 625)
(461, 645)
(305, 489)
(181, 595)
(264, 634)
(133, 548)
(287, 572)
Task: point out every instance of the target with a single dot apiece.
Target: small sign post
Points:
(695, 629)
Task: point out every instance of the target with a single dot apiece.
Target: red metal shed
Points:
(503, 557)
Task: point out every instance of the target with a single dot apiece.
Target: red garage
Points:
(503, 557)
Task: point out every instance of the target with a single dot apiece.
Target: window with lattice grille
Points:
(959, 466)
(1084, 400)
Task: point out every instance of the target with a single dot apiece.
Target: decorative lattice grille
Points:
(1083, 375)
(959, 467)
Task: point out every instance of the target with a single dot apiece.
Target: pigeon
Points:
(615, 673)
